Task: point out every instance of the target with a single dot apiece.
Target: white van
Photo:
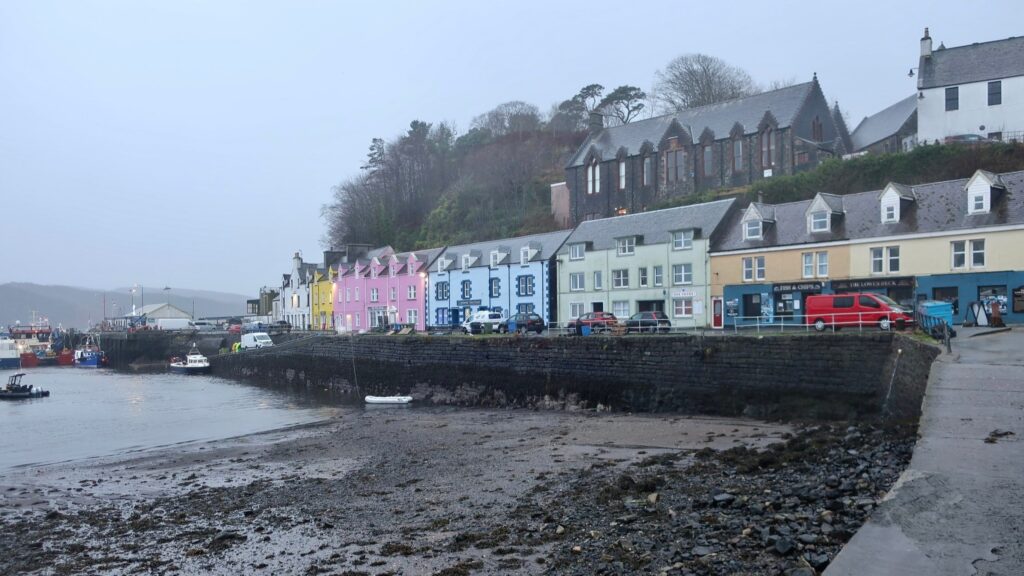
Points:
(174, 324)
(256, 340)
(205, 326)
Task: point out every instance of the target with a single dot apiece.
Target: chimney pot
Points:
(926, 45)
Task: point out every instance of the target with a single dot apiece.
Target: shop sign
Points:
(797, 287)
(467, 302)
(871, 283)
(682, 293)
(1018, 299)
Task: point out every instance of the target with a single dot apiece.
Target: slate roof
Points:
(784, 104)
(937, 207)
(655, 226)
(976, 62)
(880, 126)
(548, 244)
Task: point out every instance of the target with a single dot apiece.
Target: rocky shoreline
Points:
(450, 492)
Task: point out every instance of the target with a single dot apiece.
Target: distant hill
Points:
(74, 307)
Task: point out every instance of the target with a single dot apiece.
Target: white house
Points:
(974, 89)
(294, 296)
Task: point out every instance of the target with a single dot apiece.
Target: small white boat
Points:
(193, 363)
(388, 399)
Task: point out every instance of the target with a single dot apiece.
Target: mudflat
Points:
(447, 491)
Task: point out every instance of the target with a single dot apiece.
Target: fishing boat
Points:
(33, 342)
(15, 390)
(89, 355)
(388, 399)
(9, 355)
(193, 363)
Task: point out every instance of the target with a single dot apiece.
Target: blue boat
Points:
(89, 355)
(10, 357)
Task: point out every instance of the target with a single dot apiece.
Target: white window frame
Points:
(876, 257)
(890, 257)
(620, 278)
(748, 230)
(682, 240)
(466, 261)
(820, 222)
(412, 316)
(625, 246)
(682, 307)
(975, 199)
(621, 308)
(524, 255)
(962, 252)
(759, 268)
(642, 277)
(374, 295)
(495, 257)
(622, 174)
(577, 281)
(748, 269)
(410, 293)
(753, 269)
(822, 265)
(658, 276)
(393, 293)
(890, 214)
(577, 251)
(975, 251)
(577, 309)
(808, 264)
(682, 274)
(598, 280)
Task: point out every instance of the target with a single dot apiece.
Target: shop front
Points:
(790, 299)
(899, 288)
(748, 304)
(989, 289)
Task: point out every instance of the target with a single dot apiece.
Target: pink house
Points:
(383, 288)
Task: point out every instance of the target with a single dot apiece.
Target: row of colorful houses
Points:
(714, 264)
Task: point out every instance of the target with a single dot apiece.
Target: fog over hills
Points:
(74, 307)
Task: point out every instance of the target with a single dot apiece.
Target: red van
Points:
(858, 309)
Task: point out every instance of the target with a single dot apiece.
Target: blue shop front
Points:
(750, 304)
(989, 289)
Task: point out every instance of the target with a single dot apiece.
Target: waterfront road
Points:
(959, 507)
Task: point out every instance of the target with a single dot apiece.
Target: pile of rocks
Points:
(786, 510)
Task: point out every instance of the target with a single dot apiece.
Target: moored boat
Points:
(9, 357)
(388, 399)
(15, 390)
(193, 363)
(33, 342)
(89, 355)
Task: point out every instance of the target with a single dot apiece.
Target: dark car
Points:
(598, 322)
(654, 321)
(280, 327)
(524, 322)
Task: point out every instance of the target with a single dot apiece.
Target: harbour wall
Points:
(810, 375)
(151, 349)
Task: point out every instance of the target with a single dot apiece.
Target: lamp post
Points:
(167, 289)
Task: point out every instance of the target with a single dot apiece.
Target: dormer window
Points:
(625, 246)
(682, 240)
(752, 230)
(978, 203)
(495, 258)
(890, 214)
(577, 251)
(524, 255)
(819, 222)
(466, 260)
(441, 265)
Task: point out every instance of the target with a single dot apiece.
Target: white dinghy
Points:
(388, 399)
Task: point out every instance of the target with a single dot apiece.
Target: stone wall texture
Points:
(812, 375)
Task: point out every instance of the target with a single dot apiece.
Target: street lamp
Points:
(168, 290)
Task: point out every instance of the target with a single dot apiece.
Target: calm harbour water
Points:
(101, 412)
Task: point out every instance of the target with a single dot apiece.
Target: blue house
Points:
(509, 275)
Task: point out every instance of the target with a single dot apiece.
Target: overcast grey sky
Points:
(192, 143)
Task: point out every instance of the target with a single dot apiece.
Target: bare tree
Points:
(509, 118)
(694, 80)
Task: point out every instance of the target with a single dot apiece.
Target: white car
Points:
(475, 323)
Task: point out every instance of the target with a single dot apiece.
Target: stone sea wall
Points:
(814, 375)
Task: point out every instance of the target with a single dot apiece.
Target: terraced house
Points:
(957, 241)
(509, 275)
(384, 289)
(641, 262)
(628, 168)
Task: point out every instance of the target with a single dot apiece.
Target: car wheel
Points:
(885, 324)
(819, 325)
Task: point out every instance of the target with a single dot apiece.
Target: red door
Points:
(717, 313)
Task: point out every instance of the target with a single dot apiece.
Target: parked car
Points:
(966, 139)
(234, 328)
(475, 323)
(524, 322)
(255, 326)
(256, 340)
(855, 309)
(231, 322)
(597, 321)
(205, 326)
(653, 321)
(281, 327)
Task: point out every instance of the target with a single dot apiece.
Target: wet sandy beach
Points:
(380, 491)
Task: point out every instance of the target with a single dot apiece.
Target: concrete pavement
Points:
(959, 507)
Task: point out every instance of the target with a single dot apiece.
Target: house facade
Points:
(383, 289)
(509, 275)
(294, 298)
(973, 89)
(625, 169)
(952, 241)
(894, 129)
(641, 262)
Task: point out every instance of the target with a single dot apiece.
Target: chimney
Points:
(760, 197)
(596, 123)
(926, 45)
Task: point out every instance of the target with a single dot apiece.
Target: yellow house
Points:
(322, 299)
(961, 241)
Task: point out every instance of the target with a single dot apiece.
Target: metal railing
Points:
(832, 321)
